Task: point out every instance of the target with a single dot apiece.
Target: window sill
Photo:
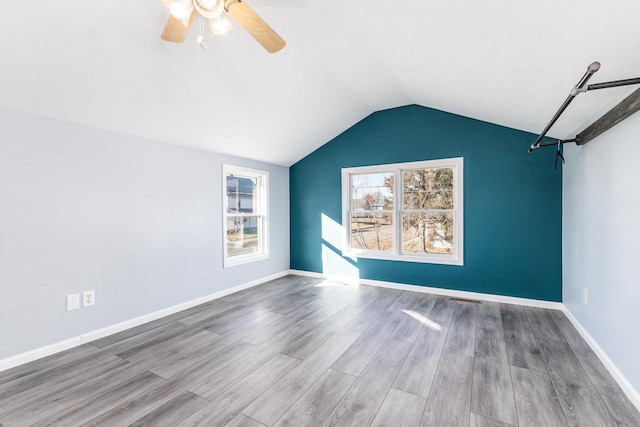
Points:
(240, 260)
(425, 259)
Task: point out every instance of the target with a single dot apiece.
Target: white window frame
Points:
(262, 210)
(396, 254)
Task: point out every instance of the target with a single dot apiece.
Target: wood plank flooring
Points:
(305, 352)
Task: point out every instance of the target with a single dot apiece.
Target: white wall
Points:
(138, 221)
(601, 241)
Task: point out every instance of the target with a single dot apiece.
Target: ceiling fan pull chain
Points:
(201, 40)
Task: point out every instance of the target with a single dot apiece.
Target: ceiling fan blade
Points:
(254, 25)
(175, 31)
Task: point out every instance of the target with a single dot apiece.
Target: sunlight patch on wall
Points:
(332, 232)
(333, 263)
(336, 267)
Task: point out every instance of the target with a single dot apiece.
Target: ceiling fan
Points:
(183, 12)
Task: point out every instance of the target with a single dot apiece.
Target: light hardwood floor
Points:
(304, 352)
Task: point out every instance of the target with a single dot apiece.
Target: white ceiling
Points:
(103, 64)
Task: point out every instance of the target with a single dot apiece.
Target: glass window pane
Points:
(427, 188)
(372, 231)
(427, 233)
(372, 191)
(241, 194)
(242, 235)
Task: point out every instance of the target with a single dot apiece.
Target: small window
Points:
(245, 215)
(405, 211)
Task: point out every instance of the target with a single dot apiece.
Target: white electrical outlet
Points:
(325, 256)
(585, 296)
(73, 302)
(88, 298)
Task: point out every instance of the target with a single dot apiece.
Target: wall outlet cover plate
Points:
(73, 302)
(88, 298)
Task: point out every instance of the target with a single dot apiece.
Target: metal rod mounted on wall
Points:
(577, 89)
(556, 142)
(624, 109)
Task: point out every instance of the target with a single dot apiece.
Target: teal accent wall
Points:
(512, 203)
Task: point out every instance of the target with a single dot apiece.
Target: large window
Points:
(245, 215)
(405, 211)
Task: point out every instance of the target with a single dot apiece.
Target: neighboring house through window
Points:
(405, 211)
(245, 215)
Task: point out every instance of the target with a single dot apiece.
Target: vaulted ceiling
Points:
(102, 64)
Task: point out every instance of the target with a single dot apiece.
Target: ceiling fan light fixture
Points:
(209, 8)
(179, 9)
(220, 24)
(183, 13)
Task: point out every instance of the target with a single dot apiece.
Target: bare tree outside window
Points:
(405, 211)
(427, 211)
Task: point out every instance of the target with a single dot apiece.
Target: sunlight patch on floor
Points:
(333, 284)
(424, 320)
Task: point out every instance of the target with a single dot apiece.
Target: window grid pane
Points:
(431, 233)
(372, 192)
(243, 235)
(372, 231)
(430, 188)
(242, 194)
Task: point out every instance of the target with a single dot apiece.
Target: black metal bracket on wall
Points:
(624, 109)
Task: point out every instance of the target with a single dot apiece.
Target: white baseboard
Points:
(623, 382)
(38, 353)
(437, 291)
